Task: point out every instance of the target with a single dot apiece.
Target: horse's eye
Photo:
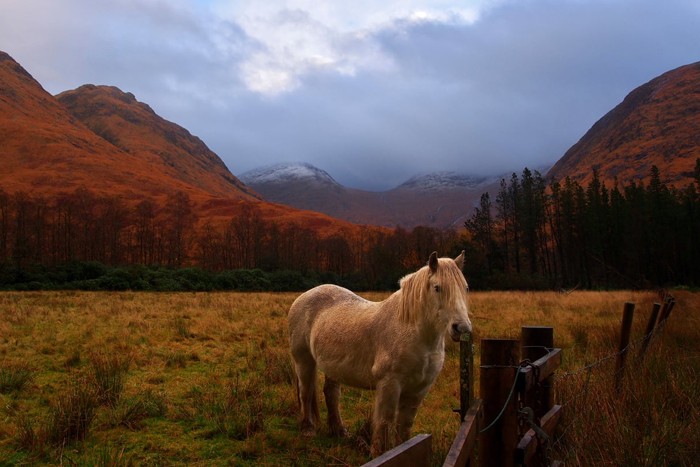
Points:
(437, 288)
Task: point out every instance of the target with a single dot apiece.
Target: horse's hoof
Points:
(308, 429)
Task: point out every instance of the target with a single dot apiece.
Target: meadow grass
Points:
(205, 379)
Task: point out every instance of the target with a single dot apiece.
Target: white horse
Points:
(396, 346)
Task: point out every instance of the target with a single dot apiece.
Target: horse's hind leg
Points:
(331, 390)
(306, 379)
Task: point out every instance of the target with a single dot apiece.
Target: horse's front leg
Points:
(408, 406)
(384, 417)
(331, 390)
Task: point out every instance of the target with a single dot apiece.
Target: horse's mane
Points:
(415, 287)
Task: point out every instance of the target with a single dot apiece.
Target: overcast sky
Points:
(373, 92)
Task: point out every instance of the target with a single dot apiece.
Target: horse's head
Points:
(448, 292)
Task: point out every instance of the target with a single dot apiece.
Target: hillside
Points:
(135, 128)
(658, 123)
(440, 200)
(104, 140)
(46, 150)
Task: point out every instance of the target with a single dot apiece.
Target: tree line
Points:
(562, 234)
(87, 240)
(535, 234)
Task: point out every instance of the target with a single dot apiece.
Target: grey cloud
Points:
(516, 88)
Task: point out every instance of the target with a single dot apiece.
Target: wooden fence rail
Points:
(462, 452)
(416, 452)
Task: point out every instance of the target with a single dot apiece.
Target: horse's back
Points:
(325, 303)
(334, 327)
(322, 299)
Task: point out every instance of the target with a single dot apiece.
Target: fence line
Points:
(653, 332)
(517, 432)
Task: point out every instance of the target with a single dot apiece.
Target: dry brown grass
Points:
(208, 380)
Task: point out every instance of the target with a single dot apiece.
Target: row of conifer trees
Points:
(565, 234)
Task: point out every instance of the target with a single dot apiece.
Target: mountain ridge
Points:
(657, 123)
(439, 200)
(133, 126)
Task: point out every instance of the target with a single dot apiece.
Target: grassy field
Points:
(205, 379)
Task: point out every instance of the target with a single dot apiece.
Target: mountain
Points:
(135, 128)
(281, 174)
(440, 200)
(48, 150)
(104, 140)
(43, 147)
(444, 181)
(658, 123)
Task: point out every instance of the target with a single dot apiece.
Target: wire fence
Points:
(587, 394)
(578, 391)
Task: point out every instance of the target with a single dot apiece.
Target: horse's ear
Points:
(433, 261)
(460, 260)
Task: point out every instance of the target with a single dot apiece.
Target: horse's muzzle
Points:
(458, 329)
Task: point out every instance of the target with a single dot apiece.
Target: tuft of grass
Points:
(14, 377)
(27, 437)
(110, 456)
(131, 412)
(235, 410)
(73, 360)
(73, 413)
(179, 358)
(278, 367)
(109, 372)
(182, 328)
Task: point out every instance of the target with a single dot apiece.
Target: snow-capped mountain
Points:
(439, 181)
(441, 199)
(287, 172)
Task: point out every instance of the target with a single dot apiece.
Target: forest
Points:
(564, 235)
(535, 234)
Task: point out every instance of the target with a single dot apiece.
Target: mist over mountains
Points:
(440, 200)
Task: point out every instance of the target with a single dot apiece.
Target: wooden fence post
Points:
(499, 369)
(466, 374)
(627, 316)
(666, 311)
(650, 329)
(536, 341)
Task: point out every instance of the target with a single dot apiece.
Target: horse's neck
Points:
(428, 332)
(432, 335)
